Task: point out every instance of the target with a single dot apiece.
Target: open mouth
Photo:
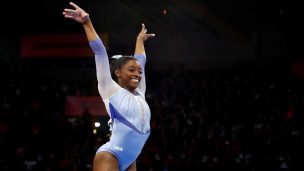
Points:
(134, 80)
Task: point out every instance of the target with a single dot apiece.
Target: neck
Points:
(133, 91)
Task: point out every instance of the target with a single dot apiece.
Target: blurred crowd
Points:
(246, 118)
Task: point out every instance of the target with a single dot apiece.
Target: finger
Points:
(68, 13)
(65, 13)
(74, 5)
(68, 16)
(69, 10)
(150, 35)
(143, 27)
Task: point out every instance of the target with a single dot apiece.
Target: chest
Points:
(130, 105)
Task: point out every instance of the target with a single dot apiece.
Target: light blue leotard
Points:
(129, 112)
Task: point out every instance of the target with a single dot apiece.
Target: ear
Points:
(117, 73)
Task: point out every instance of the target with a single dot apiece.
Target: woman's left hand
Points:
(143, 35)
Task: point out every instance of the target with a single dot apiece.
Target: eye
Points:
(131, 69)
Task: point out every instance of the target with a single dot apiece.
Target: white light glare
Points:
(97, 124)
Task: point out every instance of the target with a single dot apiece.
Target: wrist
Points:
(140, 38)
(86, 19)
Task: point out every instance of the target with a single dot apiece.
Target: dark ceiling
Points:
(236, 19)
(244, 15)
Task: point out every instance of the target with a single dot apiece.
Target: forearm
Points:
(139, 47)
(94, 40)
(90, 31)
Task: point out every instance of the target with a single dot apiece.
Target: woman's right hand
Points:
(76, 14)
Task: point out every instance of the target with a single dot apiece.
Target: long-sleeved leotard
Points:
(129, 112)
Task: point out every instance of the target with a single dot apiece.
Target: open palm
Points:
(76, 14)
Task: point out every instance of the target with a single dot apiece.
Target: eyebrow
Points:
(135, 67)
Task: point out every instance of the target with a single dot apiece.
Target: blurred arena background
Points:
(225, 84)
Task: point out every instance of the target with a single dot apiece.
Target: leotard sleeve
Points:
(141, 58)
(106, 85)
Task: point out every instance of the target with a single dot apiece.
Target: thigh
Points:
(105, 161)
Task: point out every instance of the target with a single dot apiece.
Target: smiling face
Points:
(129, 75)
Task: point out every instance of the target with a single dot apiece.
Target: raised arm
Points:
(106, 85)
(140, 54)
(141, 38)
(83, 17)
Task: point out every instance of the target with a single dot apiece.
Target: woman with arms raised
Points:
(122, 86)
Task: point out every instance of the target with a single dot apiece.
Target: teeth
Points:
(133, 79)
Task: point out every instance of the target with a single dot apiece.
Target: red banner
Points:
(77, 105)
(57, 45)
